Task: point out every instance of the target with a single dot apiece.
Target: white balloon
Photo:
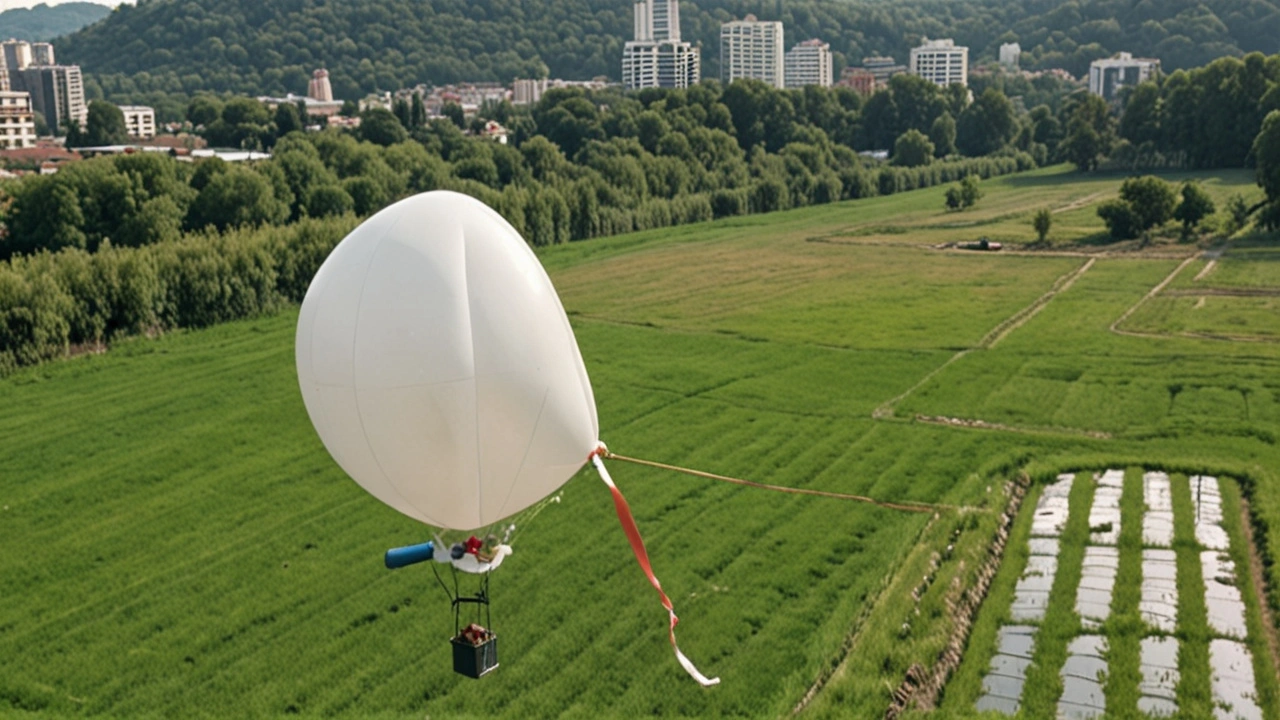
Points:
(438, 366)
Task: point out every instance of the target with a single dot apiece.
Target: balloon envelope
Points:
(438, 366)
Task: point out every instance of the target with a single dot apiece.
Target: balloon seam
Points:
(525, 457)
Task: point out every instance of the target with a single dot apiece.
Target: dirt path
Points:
(1077, 204)
(984, 425)
(1021, 317)
(1208, 268)
(996, 334)
(1115, 326)
(1228, 292)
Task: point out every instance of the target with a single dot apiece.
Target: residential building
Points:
(17, 54)
(862, 81)
(42, 54)
(315, 108)
(664, 64)
(1106, 77)
(139, 121)
(657, 57)
(319, 87)
(527, 92)
(882, 67)
(17, 123)
(751, 48)
(381, 100)
(493, 130)
(941, 62)
(1010, 53)
(808, 63)
(57, 93)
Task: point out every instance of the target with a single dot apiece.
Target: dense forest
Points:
(43, 22)
(271, 46)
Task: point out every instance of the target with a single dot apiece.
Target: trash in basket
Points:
(475, 651)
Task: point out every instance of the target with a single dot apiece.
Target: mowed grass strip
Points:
(1125, 628)
(965, 686)
(902, 630)
(1061, 624)
(1264, 668)
(1195, 696)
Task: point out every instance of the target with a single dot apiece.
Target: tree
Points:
(287, 119)
(236, 197)
(1042, 221)
(380, 127)
(203, 110)
(1122, 223)
(987, 125)
(953, 199)
(1083, 147)
(453, 111)
(943, 135)
(1237, 213)
(964, 194)
(1266, 153)
(970, 193)
(1151, 199)
(1140, 122)
(104, 126)
(912, 149)
(1090, 131)
(1196, 205)
(417, 111)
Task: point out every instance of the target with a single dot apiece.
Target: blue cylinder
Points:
(402, 556)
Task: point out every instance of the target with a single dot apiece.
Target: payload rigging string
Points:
(903, 506)
(601, 452)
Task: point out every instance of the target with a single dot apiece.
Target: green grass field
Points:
(179, 544)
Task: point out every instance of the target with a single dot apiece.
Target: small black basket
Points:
(475, 661)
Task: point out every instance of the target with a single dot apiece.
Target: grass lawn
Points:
(180, 544)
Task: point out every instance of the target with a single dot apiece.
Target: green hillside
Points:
(179, 544)
(44, 22)
(272, 46)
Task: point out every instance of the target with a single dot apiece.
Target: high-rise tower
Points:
(319, 88)
(658, 57)
(751, 48)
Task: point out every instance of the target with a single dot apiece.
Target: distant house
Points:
(139, 121)
(494, 131)
(1106, 77)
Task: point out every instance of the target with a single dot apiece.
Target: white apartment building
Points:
(527, 91)
(1010, 53)
(17, 54)
(809, 63)
(319, 87)
(17, 123)
(139, 121)
(1106, 77)
(57, 93)
(42, 54)
(750, 48)
(657, 57)
(941, 62)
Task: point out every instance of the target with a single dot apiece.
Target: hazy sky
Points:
(11, 4)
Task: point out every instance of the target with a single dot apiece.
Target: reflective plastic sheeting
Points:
(439, 368)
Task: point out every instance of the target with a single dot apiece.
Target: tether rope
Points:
(905, 507)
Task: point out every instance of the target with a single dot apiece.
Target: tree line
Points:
(578, 165)
(255, 48)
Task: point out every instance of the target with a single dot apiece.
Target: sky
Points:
(11, 4)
